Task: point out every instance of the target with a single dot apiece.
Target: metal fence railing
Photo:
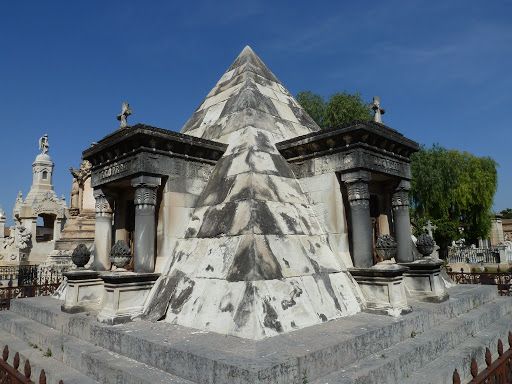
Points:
(473, 255)
(27, 281)
(502, 280)
(498, 371)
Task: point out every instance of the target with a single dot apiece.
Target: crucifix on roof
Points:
(377, 110)
(123, 116)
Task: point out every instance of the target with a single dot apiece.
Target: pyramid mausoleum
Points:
(244, 217)
(254, 261)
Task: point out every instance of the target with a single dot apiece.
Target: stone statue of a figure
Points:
(123, 116)
(43, 144)
(22, 236)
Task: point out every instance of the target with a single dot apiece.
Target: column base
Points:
(84, 291)
(383, 287)
(424, 282)
(125, 295)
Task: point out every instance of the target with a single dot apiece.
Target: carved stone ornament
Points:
(358, 191)
(81, 174)
(120, 254)
(80, 256)
(425, 244)
(49, 203)
(386, 247)
(400, 198)
(22, 237)
(102, 205)
(145, 196)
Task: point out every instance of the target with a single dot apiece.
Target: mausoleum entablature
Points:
(142, 149)
(368, 146)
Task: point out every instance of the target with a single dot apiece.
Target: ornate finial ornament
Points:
(386, 247)
(123, 116)
(425, 244)
(377, 110)
(80, 256)
(44, 146)
(120, 254)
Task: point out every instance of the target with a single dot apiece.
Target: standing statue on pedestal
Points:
(43, 144)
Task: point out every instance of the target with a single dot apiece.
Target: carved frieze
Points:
(173, 167)
(355, 159)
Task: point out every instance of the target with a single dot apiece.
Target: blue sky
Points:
(442, 69)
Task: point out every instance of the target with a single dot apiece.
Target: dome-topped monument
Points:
(40, 216)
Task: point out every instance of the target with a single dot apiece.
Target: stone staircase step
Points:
(208, 357)
(98, 363)
(440, 370)
(55, 370)
(392, 364)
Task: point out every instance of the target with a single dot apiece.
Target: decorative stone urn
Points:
(80, 256)
(425, 244)
(386, 247)
(120, 254)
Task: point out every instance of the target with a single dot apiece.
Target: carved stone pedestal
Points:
(383, 287)
(84, 291)
(125, 295)
(423, 280)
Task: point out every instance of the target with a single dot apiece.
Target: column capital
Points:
(400, 196)
(357, 188)
(103, 206)
(145, 190)
(403, 185)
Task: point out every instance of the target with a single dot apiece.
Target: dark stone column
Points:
(400, 202)
(359, 199)
(145, 225)
(102, 231)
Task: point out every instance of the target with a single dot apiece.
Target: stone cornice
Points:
(367, 134)
(141, 137)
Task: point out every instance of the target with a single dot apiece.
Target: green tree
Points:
(314, 105)
(341, 108)
(507, 213)
(455, 190)
(344, 108)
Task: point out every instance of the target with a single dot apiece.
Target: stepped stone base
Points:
(363, 348)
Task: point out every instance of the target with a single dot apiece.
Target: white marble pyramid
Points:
(254, 261)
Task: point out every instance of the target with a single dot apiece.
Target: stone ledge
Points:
(197, 355)
(128, 277)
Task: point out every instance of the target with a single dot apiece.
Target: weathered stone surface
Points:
(363, 348)
(254, 260)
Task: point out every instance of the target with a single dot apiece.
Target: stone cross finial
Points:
(377, 110)
(43, 144)
(123, 116)
(430, 228)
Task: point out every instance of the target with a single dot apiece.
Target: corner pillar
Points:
(359, 200)
(102, 231)
(145, 223)
(400, 202)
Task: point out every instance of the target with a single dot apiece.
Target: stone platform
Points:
(424, 346)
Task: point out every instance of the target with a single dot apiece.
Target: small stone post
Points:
(145, 222)
(359, 199)
(400, 202)
(2, 223)
(102, 231)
